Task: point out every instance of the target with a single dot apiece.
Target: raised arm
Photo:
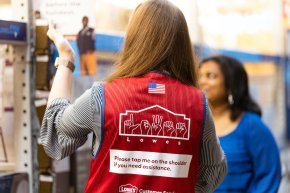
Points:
(65, 126)
(62, 84)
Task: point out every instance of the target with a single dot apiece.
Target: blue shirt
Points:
(253, 158)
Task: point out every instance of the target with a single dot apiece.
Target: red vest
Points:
(151, 137)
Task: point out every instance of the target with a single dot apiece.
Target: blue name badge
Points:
(12, 32)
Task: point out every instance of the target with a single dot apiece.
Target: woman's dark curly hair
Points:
(236, 83)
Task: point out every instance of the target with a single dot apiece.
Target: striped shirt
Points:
(65, 127)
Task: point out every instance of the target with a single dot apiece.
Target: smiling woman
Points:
(212, 83)
(252, 154)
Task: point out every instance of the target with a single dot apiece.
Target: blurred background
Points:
(255, 32)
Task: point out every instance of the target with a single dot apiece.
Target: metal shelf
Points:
(25, 132)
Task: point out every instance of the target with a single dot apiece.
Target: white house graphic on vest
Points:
(154, 121)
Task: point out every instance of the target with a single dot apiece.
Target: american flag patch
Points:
(154, 88)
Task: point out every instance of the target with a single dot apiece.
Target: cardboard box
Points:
(46, 183)
(45, 162)
(41, 39)
(42, 80)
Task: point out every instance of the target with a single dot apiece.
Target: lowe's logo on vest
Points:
(128, 188)
(154, 121)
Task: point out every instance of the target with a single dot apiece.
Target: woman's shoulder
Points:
(98, 85)
(97, 88)
(255, 125)
(252, 117)
(252, 120)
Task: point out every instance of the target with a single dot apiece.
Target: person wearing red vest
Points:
(152, 127)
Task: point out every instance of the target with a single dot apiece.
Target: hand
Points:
(157, 121)
(64, 48)
(169, 129)
(156, 125)
(129, 122)
(181, 129)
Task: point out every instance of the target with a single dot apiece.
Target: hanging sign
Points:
(13, 32)
(68, 14)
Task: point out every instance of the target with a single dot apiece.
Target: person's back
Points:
(153, 130)
(151, 136)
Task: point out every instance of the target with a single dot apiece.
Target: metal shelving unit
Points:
(25, 132)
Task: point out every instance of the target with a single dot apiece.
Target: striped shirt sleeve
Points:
(65, 126)
(213, 166)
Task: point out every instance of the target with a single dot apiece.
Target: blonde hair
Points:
(157, 38)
